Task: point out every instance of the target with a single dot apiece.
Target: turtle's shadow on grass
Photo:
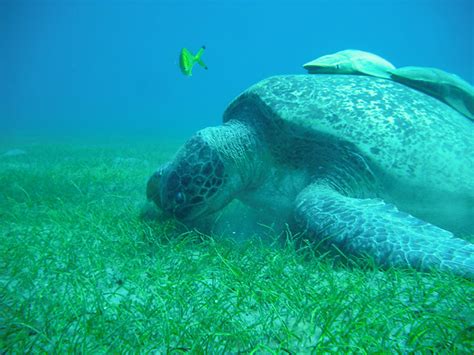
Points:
(236, 221)
(242, 224)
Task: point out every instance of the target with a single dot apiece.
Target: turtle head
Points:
(194, 183)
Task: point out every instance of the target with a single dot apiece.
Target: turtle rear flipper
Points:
(378, 229)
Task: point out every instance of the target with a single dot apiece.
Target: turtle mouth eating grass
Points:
(375, 167)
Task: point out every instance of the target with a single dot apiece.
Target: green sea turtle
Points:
(350, 61)
(341, 156)
(446, 87)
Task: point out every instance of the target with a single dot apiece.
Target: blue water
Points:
(112, 66)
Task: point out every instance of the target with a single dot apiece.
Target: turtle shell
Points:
(350, 61)
(407, 135)
(444, 86)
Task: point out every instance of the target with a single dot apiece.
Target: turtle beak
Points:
(153, 187)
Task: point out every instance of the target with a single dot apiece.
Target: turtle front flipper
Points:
(373, 227)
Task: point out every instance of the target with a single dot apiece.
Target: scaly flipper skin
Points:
(391, 237)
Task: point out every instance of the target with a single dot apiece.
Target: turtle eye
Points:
(179, 198)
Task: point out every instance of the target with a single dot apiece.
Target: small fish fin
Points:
(198, 59)
(202, 64)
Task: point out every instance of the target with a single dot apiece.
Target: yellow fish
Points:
(187, 60)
